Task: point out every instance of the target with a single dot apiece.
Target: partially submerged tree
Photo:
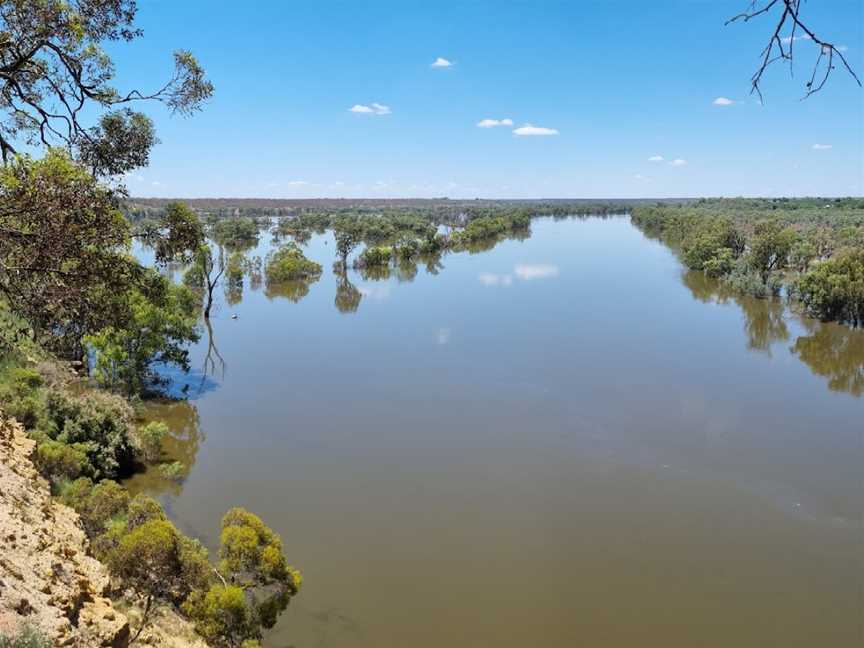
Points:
(348, 233)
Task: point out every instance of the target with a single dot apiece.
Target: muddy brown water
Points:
(565, 440)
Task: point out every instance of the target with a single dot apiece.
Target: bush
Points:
(289, 262)
(711, 245)
(222, 615)
(252, 552)
(174, 471)
(58, 461)
(150, 439)
(20, 395)
(742, 279)
(834, 289)
(143, 508)
(99, 420)
(720, 264)
(375, 256)
(96, 505)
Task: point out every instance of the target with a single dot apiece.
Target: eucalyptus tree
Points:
(57, 83)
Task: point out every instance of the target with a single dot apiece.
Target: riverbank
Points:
(48, 580)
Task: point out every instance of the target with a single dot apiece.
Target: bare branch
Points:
(775, 51)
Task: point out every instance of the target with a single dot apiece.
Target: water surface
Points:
(565, 440)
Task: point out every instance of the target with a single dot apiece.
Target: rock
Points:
(36, 588)
(101, 625)
(47, 578)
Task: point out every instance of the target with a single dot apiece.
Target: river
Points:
(566, 440)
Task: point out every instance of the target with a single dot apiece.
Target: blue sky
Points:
(619, 82)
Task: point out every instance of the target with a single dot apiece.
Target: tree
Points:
(288, 263)
(179, 236)
(770, 247)
(222, 615)
(157, 561)
(348, 233)
(252, 552)
(204, 274)
(159, 321)
(63, 249)
(834, 289)
(781, 47)
(54, 73)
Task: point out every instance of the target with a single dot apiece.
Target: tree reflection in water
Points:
(180, 448)
(295, 290)
(832, 351)
(835, 352)
(348, 297)
(764, 319)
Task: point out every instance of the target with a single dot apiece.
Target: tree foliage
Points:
(288, 263)
(54, 73)
(63, 249)
(834, 289)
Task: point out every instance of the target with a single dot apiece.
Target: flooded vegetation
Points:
(555, 436)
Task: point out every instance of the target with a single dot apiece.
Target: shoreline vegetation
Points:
(811, 250)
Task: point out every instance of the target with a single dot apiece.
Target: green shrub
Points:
(59, 461)
(173, 471)
(99, 420)
(104, 502)
(150, 438)
(720, 264)
(143, 508)
(20, 395)
(288, 263)
(711, 245)
(375, 256)
(834, 289)
(744, 280)
(221, 615)
(252, 552)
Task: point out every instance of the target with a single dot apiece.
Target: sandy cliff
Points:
(46, 577)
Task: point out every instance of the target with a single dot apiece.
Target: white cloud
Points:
(529, 129)
(378, 293)
(492, 123)
(491, 279)
(822, 147)
(722, 101)
(639, 176)
(372, 109)
(656, 158)
(842, 48)
(788, 39)
(442, 63)
(442, 337)
(678, 162)
(538, 271)
(297, 183)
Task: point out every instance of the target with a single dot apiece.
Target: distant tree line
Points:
(814, 248)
